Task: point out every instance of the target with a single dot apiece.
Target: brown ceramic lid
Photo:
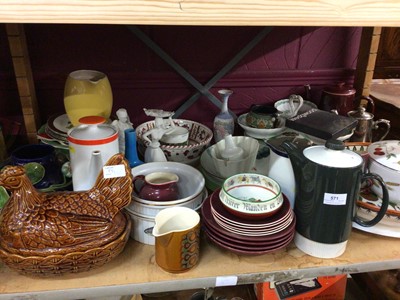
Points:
(340, 89)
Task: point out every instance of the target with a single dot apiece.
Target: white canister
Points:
(142, 227)
(91, 144)
(384, 161)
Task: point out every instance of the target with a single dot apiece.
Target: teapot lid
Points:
(333, 154)
(360, 113)
(92, 130)
(340, 89)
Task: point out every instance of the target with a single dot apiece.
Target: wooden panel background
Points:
(281, 64)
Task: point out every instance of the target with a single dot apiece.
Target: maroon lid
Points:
(340, 89)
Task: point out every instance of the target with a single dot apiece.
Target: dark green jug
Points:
(328, 180)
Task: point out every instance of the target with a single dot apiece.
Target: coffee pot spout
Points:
(95, 166)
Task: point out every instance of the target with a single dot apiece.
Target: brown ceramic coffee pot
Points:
(341, 98)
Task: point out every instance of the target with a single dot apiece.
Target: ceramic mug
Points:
(263, 116)
(159, 186)
(41, 164)
(177, 239)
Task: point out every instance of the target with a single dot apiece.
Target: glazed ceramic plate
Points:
(49, 140)
(255, 232)
(380, 229)
(59, 124)
(218, 208)
(246, 242)
(258, 133)
(246, 246)
(250, 250)
(369, 201)
(209, 221)
(389, 220)
(267, 226)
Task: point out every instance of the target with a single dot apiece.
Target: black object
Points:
(327, 190)
(322, 124)
(295, 287)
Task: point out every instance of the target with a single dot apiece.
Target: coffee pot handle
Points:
(384, 122)
(370, 103)
(385, 201)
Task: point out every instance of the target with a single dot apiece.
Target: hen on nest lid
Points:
(63, 232)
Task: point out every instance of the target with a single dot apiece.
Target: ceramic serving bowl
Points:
(259, 133)
(384, 160)
(250, 195)
(262, 116)
(191, 182)
(151, 210)
(213, 163)
(189, 153)
(213, 182)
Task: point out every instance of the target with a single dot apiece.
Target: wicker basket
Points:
(73, 262)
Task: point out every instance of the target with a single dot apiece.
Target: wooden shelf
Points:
(135, 270)
(200, 12)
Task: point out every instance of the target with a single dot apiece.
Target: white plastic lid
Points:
(333, 155)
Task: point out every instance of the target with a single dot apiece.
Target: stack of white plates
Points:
(54, 132)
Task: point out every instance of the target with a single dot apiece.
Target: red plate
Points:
(251, 250)
(281, 215)
(208, 220)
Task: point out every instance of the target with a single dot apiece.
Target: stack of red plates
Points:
(243, 236)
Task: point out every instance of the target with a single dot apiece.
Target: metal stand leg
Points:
(201, 90)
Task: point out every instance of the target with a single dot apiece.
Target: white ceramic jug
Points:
(279, 165)
(91, 144)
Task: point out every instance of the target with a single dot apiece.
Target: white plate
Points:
(380, 229)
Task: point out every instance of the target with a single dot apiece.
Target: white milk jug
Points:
(91, 144)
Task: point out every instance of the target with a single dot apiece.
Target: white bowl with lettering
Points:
(251, 196)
